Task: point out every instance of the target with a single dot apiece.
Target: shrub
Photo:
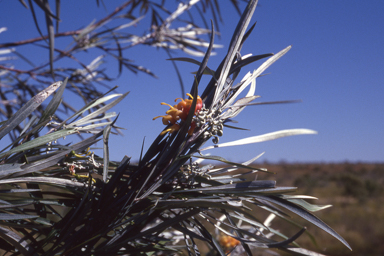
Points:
(63, 199)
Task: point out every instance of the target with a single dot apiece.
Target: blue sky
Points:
(335, 67)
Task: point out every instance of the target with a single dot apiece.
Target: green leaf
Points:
(53, 105)
(100, 110)
(15, 240)
(106, 133)
(234, 46)
(40, 141)
(305, 215)
(207, 70)
(250, 185)
(51, 35)
(203, 65)
(28, 108)
(90, 105)
(8, 169)
(301, 251)
(59, 155)
(35, 19)
(30, 123)
(262, 138)
(221, 159)
(44, 180)
(6, 216)
(19, 190)
(308, 206)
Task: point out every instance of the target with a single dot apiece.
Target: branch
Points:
(68, 33)
(17, 70)
(37, 39)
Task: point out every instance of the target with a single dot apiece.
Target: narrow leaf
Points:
(8, 169)
(51, 35)
(305, 215)
(27, 109)
(308, 206)
(35, 19)
(40, 141)
(6, 216)
(44, 180)
(54, 103)
(15, 240)
(262, 138)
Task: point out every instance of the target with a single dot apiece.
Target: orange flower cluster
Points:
(180, 112)
(228, 242)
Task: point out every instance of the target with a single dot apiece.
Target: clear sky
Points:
(335, 67)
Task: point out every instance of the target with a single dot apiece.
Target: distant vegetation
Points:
(356, 192)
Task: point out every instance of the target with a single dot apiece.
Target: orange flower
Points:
(228, 242)
(179, 112)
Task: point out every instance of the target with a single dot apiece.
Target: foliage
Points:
(354, 216)
(112, 36)
(63, 199)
